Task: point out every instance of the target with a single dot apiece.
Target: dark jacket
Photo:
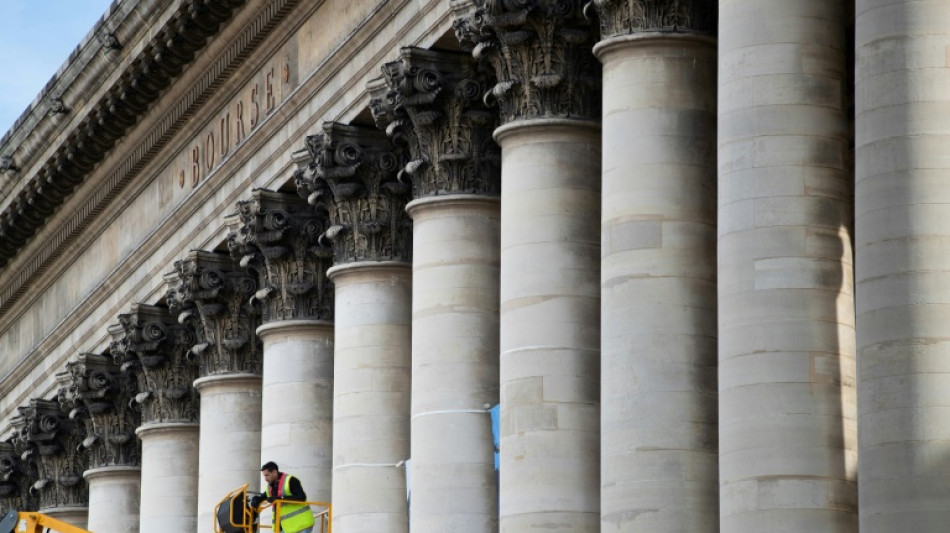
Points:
(296, 491)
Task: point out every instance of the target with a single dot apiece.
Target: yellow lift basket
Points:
(233, 514)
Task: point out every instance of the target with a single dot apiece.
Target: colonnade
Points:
(643, 242)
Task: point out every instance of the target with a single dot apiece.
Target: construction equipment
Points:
(16, 522)
(234, 514)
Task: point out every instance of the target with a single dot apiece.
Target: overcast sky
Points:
(36, 37)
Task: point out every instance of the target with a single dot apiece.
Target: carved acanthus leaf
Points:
(149, 344)
(276, 236)
(353, 175)
(99, 395)
(16, 473)
(621, 17)
(541, 53)
(432, 102)
(53, 441)
(213, 296)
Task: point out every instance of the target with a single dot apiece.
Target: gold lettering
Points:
(181, 179)
(195, 167)
(224, 132)
(239, 121)
(287, 72)
(256, 112)
(209, 151)
(269, 102)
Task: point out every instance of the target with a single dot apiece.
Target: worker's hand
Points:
(256, 500)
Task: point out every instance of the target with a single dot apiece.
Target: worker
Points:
(293, 517)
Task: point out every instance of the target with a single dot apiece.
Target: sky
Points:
(36, 38)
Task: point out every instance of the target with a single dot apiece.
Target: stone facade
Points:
(661, 236)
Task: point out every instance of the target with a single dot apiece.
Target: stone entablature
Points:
(99, 394)
(431, 102)
(540, 51)
(138, 144)
(52, 440)
(277, 239)
(213, 297)
(622, 17)
(236, 120)
(157, 64)
(149, 343)
(353, 175)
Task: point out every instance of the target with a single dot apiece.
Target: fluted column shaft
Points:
(297, 419)
(659, 461)
(229, 449)
(786, 316)
(550, 307)
(371, 396)
(454, 362)
(169, 477)
(114, 499)
(902, 130)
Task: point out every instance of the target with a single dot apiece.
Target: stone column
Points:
(213, 296)
(100, 395)
(433, 105)
(151, 344)
(547, 92)
(276, 240)
(52, 445)
(169, 477)
(902, 127)
(114, 498)
(354, 179)
(659, 461)
(787, 431)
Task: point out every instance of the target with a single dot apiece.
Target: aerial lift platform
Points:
(27, 522)
(234, 514)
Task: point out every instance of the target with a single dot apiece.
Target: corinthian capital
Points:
(53, 441)
(621, 17)
(151, 345)
(432, 102)
(16, 474)
(99, 395)
(541, 53)
(276, 238)
(353, 175)
(212, 295)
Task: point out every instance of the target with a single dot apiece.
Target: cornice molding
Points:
(157, 64)
(135, 159)
(39, 364)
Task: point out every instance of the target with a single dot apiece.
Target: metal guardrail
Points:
(233, 514)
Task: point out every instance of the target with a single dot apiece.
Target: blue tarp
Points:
(496, 429)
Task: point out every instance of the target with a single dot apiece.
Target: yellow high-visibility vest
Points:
(293, 516)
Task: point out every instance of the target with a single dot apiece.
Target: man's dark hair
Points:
(270, 466)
